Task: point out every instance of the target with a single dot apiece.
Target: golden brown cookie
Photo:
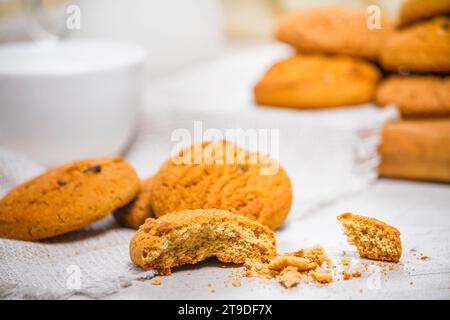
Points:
(422, 47)
(416, 10)
(67, 198)
(373, 239)
(317, 81)
(133, 215)
(227, 177)
(335, 31)
(416, 95)
(191, 236)
(416, 149)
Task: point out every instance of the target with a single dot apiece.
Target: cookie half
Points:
(416, 95)
(66, 198)
(317, 81)
(423, 47)
(191, 236)
(415, 10)
(335, 31)
(221, 175)
(134, 214)
(416, 149)
(374, 239)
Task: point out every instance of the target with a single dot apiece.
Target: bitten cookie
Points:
(422, 47)
(317, 81)
(415, 10)
(416, 149)
(133, 215)
(191, 236)
(373, 239)
(222, 175)
(335, 31)
(67, 198)
(416, 95)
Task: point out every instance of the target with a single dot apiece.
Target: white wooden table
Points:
(420, 210)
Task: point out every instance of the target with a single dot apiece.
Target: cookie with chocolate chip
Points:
(67, 198)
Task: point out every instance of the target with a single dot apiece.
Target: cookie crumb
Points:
(346, 275)
(236, 283)
(290, 277)
(156, 281)
(292, 268)
(424, 258)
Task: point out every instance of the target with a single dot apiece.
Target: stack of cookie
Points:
(334, 64)
(419, 55)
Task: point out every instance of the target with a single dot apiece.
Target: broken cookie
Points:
(191, 236)
(373, 239)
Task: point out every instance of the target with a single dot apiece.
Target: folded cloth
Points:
(327, 154)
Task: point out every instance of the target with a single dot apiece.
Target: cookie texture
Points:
(416, 96)
(67, 198)
(191, 236)
(422, 47)
(134, 214)
(317, 81)
(222, 175)
(415, 10)
(373, 239)
(335, 31)
(416, 149)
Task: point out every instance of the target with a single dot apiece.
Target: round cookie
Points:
(134, 214)
(335, 31)
(416, 149)
(222, 175)
(416, 10)
(416, 95)
(191, 236)
(317, 81)
(423, 47)
(67, 198)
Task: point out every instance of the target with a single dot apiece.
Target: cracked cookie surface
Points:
(67, 198)
(221, 175)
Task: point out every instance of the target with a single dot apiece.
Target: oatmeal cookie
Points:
(191, 236)
(416, 149)
(423, 48)
(317, 81)
(134, 214)
(335, 31)
(416, 96)
(221, 175)
(373, 239)
(67, 198)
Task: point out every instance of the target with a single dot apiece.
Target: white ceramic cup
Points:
(70, 99)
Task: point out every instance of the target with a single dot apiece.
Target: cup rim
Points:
(71, 56)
